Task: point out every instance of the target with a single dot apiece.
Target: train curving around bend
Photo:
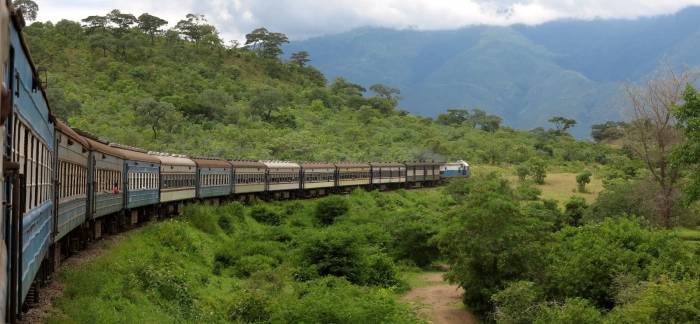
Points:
(62, 187)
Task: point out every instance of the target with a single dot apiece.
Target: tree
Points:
(575, 208)
(157, 115)
(688, 115)
(522, 171)
(196, 28)
(300, 58)
(562, 124)
(28, 8)
(582, 179)
(480, 119)
(151, 25)
(610, 130)
(266, 102)
(267, 44)
(538, 169)
(122, 21)
(331, 208)
(96, 23)
(454, 117)
(653, 132)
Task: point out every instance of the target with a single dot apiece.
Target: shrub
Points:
(202, 217)
(575, 209)
(248, 265)
(538, 169)
(574, 310)
(582, 179)
(517, 302)
(412, 239)
(522, 171)
(329, 209)
(266, 215)
(249, 307)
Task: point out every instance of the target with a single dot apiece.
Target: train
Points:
(63, 187)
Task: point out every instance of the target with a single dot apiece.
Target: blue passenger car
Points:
(106, 181)
(141, 177)
(71, 172)
(459, 169)
(214, 178)
(29, 132)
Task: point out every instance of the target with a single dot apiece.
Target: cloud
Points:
(308, 18)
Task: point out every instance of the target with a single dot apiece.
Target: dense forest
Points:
(622, 257)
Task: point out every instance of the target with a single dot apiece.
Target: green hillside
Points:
(172, 93)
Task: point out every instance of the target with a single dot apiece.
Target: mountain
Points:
(527, 74)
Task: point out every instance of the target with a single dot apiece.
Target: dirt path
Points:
(438, 301)
(44, 309)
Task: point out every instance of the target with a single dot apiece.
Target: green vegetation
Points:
(219, 264)
(127, 79)
(527, 261)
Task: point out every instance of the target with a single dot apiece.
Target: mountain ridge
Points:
(527, 74)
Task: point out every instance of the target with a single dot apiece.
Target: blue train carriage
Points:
(141, 182)
(5, 110)
(105, 184)
(178, 181)
(71, 192)
(249, 178)
(283, 179)
(317, 178)
(214, 178)
(459, 169)
(29, 151)
(388, 175)
(350, 175)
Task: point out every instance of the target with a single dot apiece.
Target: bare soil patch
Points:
(439, 302)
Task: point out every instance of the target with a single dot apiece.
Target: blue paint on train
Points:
(140, 195)
(71, 213)
(36, 239)
(211, 190)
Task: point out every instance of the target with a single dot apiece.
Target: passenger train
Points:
(63, 187)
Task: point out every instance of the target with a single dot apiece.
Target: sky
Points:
(301, 19)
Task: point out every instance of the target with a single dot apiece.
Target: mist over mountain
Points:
(526, 74)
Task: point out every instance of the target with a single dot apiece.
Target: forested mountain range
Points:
(524, 73)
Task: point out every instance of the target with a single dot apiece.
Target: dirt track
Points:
(439, 302)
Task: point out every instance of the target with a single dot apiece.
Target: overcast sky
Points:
(307, 18)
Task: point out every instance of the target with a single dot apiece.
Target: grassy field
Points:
(560, 186)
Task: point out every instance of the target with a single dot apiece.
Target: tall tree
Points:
(562, 124)
(151, 25)
(122, 21)
(653, 132)
(267, 44)
(688, 115)
(300, 58)
(267, 101)
(194, 27)
(28, 8)
(157, 115)
(96, 23)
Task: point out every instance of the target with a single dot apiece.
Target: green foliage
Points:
(516, 303)
(573, 310)
(582, 179)
(29, 9)
(574, 211)
(522, 171)
(329, 209)
(688, 115)
(412, 238)
(608, 131)
(662, 301)
(266, 215)
(538, 169)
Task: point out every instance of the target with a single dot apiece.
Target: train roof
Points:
(387, 164)
(169, 159)
(247, 164)
(422, 163)
(316, 165)
(281, 164)
(65, 129)
(211, 163)
(134, 154)
(352, 165)
(18, 21)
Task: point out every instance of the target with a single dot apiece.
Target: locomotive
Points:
(63, 187)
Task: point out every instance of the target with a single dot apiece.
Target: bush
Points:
(574, 310)
(266, 215)
(334, 300)
(412, 239)
(582, 179)
(662, 301)
(538, 169)
(517, 303)
(202, 217)
(575, 208)
(329, 209)
(522, 171)
(249, 307)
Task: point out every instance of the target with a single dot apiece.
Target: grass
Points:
(689, 234)
(562, 186)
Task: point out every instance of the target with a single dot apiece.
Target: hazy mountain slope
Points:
(524, 73)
